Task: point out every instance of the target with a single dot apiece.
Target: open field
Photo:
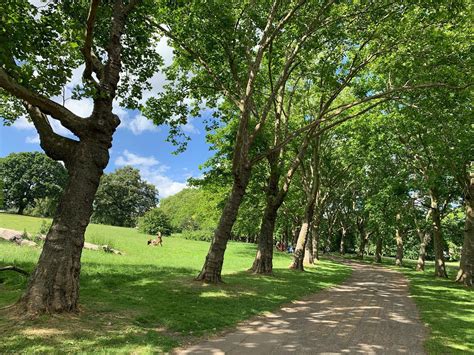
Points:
(146, 300)
(445, 307)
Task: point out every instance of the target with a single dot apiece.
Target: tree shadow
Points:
(155, 308)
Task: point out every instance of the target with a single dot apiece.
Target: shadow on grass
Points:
(147, 308)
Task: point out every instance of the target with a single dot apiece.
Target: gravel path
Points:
(369, 313)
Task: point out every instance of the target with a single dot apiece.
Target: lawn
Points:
(146, 300)
(446, 308)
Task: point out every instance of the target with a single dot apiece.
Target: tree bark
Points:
(212, 268)
(54, 285)
(378, 250)
(263, 262)
(466, 266)
(364, 237)
(399, 241)
(440, 267)
(298, 255)
(308, 250)
(425, 238)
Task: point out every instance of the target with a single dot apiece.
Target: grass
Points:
(146, 300)
(446, 308)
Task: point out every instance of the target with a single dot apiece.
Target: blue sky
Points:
(141, 145)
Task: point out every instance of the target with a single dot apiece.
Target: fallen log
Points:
(14, 268)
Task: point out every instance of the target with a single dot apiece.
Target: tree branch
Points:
(92, 63)
(68, 119)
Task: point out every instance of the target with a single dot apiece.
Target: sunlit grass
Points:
(445, 307)
(146, 300)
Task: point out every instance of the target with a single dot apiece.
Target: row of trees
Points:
(32, 183)
(279, 76)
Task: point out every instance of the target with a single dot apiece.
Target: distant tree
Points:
(155, 221)
(192, 209)
(122, 197)
(29, 176)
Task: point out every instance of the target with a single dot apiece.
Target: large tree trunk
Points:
(378, 249)
(425, 238)
(298, 255)
(54, 285)
(308, 250)
(440, 268)
(212, 268)
(466, 266)
(399, 241)
(364, 237)
(263, 262)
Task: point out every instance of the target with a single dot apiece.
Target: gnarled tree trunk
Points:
(466, 266)
(54, 285)
(440, 267)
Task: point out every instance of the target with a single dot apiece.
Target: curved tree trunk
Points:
(440, 267)
(212, 268)
(54, 285)
(298, 255)
(466, 266)
(424, 241)
(378, 250)
(399, 241)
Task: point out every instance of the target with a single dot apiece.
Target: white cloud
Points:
(152, 171)
(34, 139)
(189, 127)
(138, 124)
(135, 160)
(22, 123)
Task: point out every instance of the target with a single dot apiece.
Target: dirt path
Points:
(370, 313)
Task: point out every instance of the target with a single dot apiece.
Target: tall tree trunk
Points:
(263, 262)
(308, 250)
(315, 239)
(378, 249)
(342, 249)
(298, 255)
(425, 238)
(399, 241)
(440, 267)
(54, 285)
(466, 266)
(364, 236)
(212, 268)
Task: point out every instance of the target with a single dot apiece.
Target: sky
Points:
(137, 141)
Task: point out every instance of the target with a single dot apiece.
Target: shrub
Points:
(201, 234)
(154, 221)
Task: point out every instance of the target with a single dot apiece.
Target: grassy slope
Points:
(445, 307)
(146, 300)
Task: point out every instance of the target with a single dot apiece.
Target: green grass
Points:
(146, 300)
(446, 308)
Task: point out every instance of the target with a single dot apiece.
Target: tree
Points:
(29, 176)
(41, 46)
(122, 197)
(154, 221)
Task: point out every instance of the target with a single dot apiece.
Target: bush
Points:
(201, 234)
(155, 221)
